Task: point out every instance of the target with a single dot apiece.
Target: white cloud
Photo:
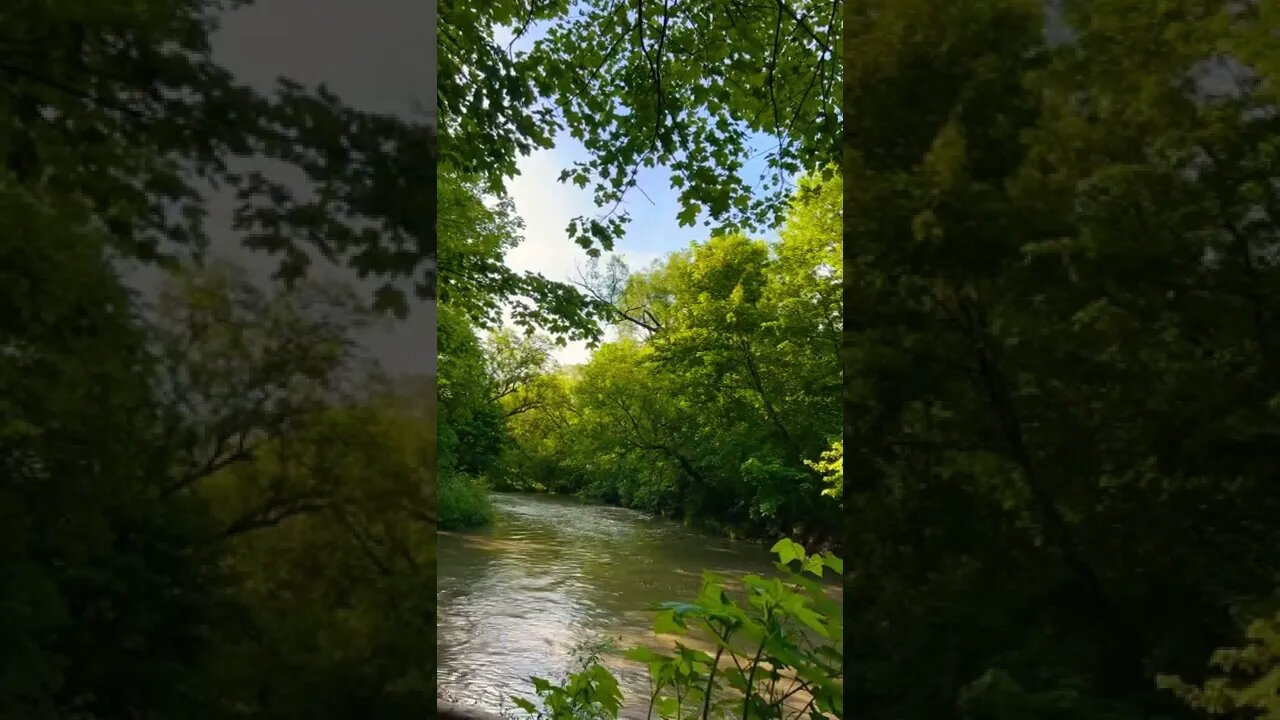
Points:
(575, 353)
(547, 206)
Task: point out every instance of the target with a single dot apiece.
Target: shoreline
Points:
(707, 526)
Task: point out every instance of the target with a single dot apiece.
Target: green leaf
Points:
(525, 705)
(787, 550)
(833, 562)
(813, 564)
(812, 620)
(644, 655)
(666, 623)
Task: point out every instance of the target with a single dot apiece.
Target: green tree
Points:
(648, 85)
(477, 228)
(337, 580)
(720, 392)
(125, 112)
(470, 419)
(153, 507)
(106, 611)
(1250, 674)
(1041, 285)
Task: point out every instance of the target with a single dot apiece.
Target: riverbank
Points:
(707, 525)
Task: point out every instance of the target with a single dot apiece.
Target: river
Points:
(517, 598)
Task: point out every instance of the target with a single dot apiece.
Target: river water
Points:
(517, 598)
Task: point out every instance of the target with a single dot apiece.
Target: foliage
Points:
(1058, 243)
(135, 96)
(685, 86)
(462, 501)
(339, 588)
(1251, 681)
(125, 114)
(832, 468)
(476, 229)
(470, 433)
(788, 639)
(215, 517)
(486, 120)
(164, 554)
(590, 694)
(106, 611)
(719, 396)
(642, 85)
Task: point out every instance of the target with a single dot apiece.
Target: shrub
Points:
(462, 501)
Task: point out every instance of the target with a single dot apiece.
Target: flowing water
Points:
(516, 598)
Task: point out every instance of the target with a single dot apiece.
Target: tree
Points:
(1250, 675)
(202, 443)
(476, 230)
(106, 611)
(647, 85)
(470, 418)
(138, 448)
(717, 408)
(338, 592)
(133, 95)
(1039, 290)
(519, 367)
(238, 366)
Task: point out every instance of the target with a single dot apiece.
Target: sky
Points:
(547, 206)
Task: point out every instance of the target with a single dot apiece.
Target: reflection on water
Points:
(515, 598)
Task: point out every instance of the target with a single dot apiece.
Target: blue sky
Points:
(547, 206)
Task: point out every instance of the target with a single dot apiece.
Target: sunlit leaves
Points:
(476, 231)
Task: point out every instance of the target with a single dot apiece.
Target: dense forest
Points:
(716, 403)
(1061, 307)
(213, 503)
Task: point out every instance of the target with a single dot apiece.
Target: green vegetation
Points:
(1060, 352)
(210, 505)
(1249, 676)
(719, 399)
(1061, 328)
(716, 430)
(647, 84)
(224, 513)
(462, 501)
(781, 655)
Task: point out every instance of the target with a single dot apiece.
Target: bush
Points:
(462, 501)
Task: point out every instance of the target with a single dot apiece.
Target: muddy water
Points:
(517, 598)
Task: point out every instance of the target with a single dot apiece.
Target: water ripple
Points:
(515, 599)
